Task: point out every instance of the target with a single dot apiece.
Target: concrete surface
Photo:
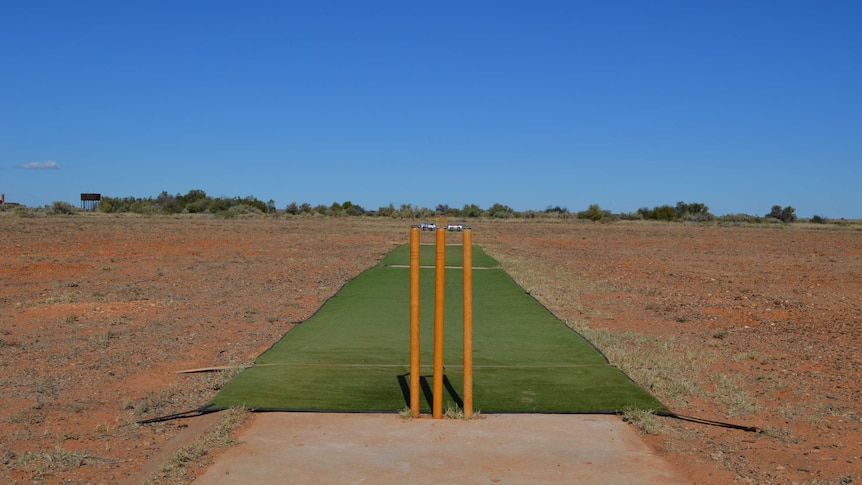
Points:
(385, 448)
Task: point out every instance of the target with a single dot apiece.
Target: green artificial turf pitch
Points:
(354, 353)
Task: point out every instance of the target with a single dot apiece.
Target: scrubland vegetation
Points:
(198, 202)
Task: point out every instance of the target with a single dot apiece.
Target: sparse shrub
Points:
(739, 218)
(695, 211)
(659, 213)
(500, 211)
(664, 213)
(387, 211)
(471, 210)
(631, 216)
(292, 209)
(818, 219)
(352, 209)
(321, 209)
(703, 217)
(242, 210)
(594, 213)
(786, 214)
(198, 206)
(61, 208)
(23, 211)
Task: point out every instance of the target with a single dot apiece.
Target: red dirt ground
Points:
(97, 312)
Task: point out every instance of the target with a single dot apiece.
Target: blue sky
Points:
(627, 104)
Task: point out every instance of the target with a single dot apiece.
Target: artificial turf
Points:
(353, 354)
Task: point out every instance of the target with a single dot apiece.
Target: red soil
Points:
(97, 312)
(775, 310)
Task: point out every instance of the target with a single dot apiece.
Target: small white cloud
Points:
(44, 165)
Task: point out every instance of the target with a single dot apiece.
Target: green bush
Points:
(387, 211)
(695, 211)
(594, 213)
(500, 211)
(632, 216)
(353, 209)
(659, 213)
(737, 218)
(471, 210)
(61, 208)
(241, 210)
(292, 209)
(784, 214)
(664, 213)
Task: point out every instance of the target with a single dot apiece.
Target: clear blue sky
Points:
(741, 105)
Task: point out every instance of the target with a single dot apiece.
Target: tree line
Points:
(194, 202)
(198, 202)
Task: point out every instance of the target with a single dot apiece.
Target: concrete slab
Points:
(385, 448)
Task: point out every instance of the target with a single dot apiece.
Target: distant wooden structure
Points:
(90, 201)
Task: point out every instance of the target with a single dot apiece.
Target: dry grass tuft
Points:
(644, 420)
(731, 394)
(406, 413)
(217, 380)
(196, 455)
(155, 403)
(662, 366)
(453, 411)
(47, 463)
